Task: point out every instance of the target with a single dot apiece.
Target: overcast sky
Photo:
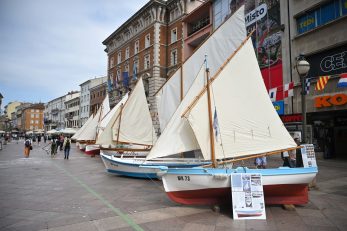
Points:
(49, 47)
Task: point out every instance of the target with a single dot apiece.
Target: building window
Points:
(173, 35)
(137, 47)
(118, 74)
(111, 62)
(321, 15)
(221, 9)
(31, 121)
(126, 67)
(173, 57)
(119, 58)
(32, 115)
(174, 14)
(127, 53)
(135, 68)
(147, 62)
(147, 40)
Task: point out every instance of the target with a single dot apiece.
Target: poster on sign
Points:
(247, 196)
(308, 155)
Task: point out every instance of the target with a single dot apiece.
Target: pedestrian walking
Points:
(38, 140)
(27, 147)
(67, 145)
(45, 138)
(61, 142)
(53, 147)
(260, 162)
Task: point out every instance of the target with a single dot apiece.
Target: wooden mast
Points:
(120, 120)
(213, 157)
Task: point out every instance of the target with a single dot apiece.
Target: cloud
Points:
(48, 48)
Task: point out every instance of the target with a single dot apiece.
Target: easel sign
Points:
(248, 196)
(308, 155)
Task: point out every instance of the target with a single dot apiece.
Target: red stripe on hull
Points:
(92, 152)
(274, 195)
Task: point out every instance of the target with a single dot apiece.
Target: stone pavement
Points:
(44, 193)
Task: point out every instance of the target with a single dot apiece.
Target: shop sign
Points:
(291, 118)
(329, 62)
(329, 101)
(279, 107)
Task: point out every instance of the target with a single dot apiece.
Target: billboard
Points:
(263, 16)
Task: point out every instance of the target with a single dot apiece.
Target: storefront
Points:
(326, 108)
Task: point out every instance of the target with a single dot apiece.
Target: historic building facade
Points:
(97, 96)
(85, 97)
(147, 45)
(72, 109)
(32, 117)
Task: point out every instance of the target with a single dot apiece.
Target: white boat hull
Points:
(140, 168)
(212, 186)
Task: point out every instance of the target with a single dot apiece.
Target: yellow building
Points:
(11, 107)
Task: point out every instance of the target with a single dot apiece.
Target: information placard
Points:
(308, 155)
(248, 196)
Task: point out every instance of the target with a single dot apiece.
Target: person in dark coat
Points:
(299, 162)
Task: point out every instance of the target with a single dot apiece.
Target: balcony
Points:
(55, 111)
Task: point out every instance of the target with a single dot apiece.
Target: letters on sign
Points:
(256, 14)
(334, 62)
(329, 101)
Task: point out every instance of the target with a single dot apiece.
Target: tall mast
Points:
(120, 120)
(213, 158)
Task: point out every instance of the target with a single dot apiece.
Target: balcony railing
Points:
(198, 25)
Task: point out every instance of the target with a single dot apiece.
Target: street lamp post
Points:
(302, 67)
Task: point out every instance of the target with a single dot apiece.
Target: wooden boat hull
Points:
(82, 147)
(93, 149)
(212, 186)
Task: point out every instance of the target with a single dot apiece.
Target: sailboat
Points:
(231, 118)
(88, 135)
(79, 132)
(169, 97)
(129, 135)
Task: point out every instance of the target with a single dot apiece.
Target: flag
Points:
(307, 86)
(343, 80)
(288, 90)
(125, 79)
(322, 81)
(216, 125)
(109, 84)
(272, 94)
(134, 72)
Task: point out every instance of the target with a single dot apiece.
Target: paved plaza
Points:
(44, 193)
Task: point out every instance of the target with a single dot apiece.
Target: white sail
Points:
(105, 108)
(178, 136)
(105, 137)
(78, 133)
(106, 116)
(135, 121)
(89, 133)
(247, 121)
(217, 47)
